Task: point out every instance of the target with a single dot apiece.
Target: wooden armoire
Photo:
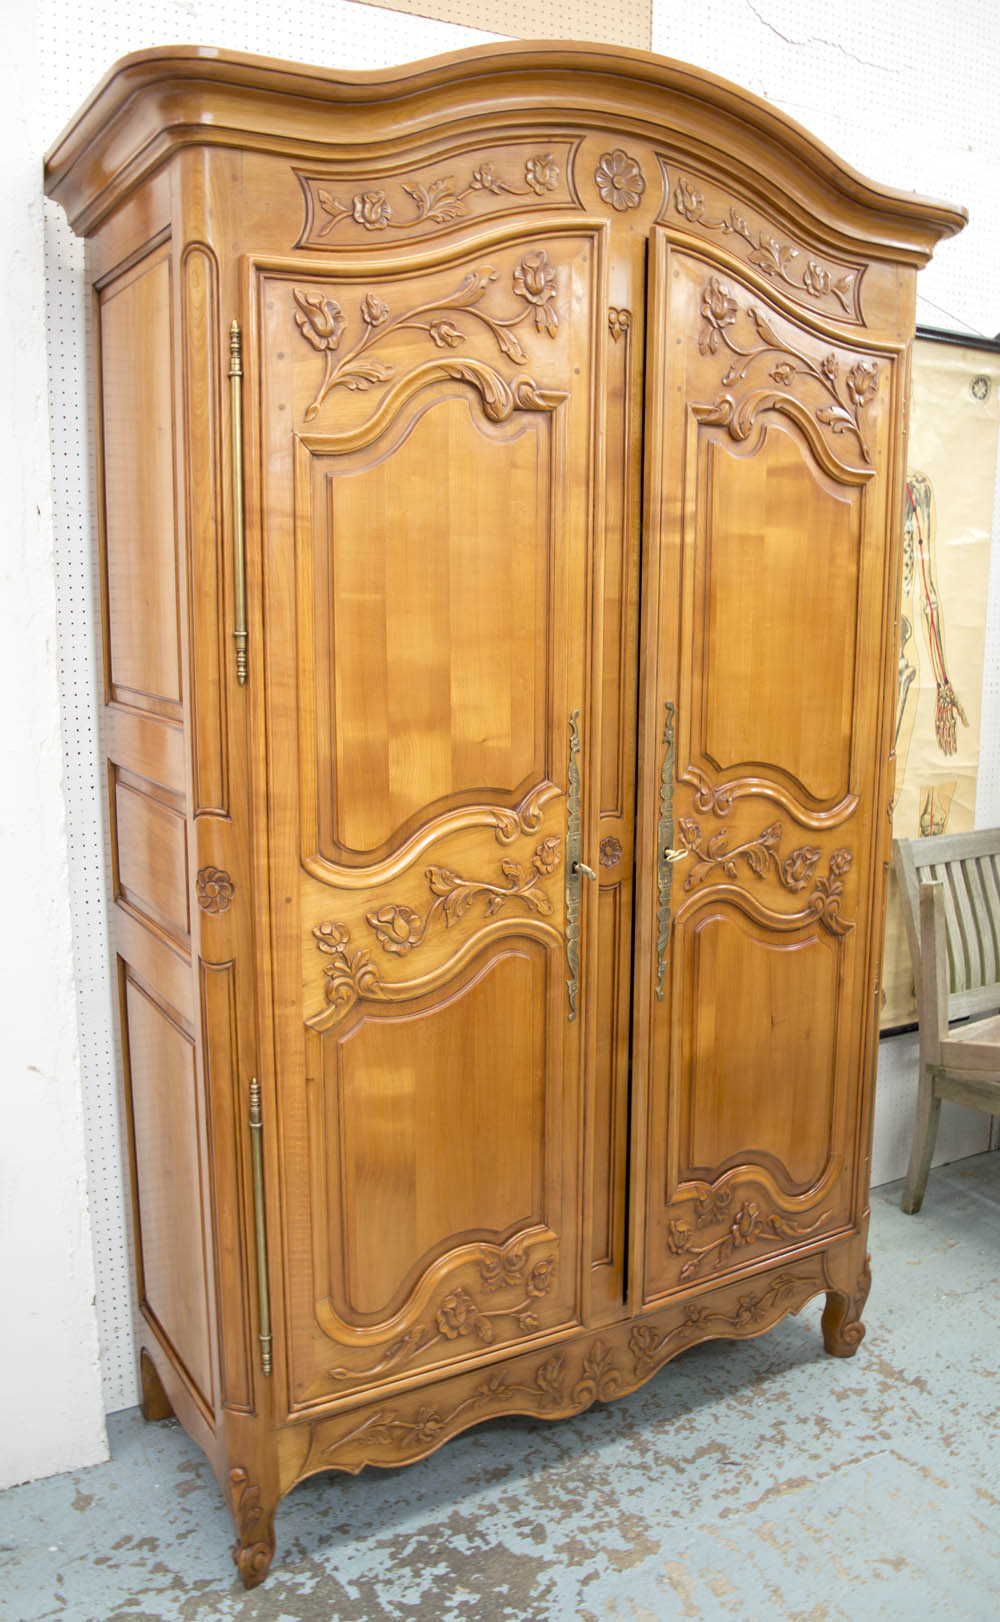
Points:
(499, 466)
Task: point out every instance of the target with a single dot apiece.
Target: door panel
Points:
(764, 593)
(427, 507)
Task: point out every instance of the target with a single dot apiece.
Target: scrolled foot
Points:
(254, 1548)
(843, 1330)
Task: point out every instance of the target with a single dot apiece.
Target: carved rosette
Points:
(619, 180)
(324, 325)
(215, 889)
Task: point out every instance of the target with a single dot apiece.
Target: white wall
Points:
(904, 92)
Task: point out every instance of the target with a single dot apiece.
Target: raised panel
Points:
(150, 842)
(139, 505)
(433, 622)
(760, 1054)
(166, 1130)
(438, 1122)
(781, 595)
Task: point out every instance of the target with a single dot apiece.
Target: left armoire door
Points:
(420, 462)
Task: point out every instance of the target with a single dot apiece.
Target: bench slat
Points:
(967, 925)
(984, 928)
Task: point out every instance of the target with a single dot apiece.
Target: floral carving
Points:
(650, 1347)
(619, 323)
(349, 975)
(323, 324)
(844, 400)
(761, 855)
(398, 929)
(610, 851)
(774, 258)
(438, 202)
(459, 1314)
(824, 903)
(215, 889)
(252, 1558)
(619, 180)
(599, 1378)
(749, 1225)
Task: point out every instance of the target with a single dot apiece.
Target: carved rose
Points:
(546, 857)
(749, 1311)
(642, 1343)
(397, 928)
(815, 279)
(549, 1380)
(539, 1280)
(330, 937)
(797, 868)
(830, 369)
(485, 178)
(678, 1238)
(746, 1225)
(427, 1424)
(371, 210)
(445, 334)
(688, 201)
(374, 310)
(719, 311)
(611, 851)
(541, 174)
(862, 382)
(840, 861)
(783, 372)
(459, 1315)
(320, 320)
(619, 180)
(535, 281)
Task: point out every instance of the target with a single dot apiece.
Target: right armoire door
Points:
(767, 592)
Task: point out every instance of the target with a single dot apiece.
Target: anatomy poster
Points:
(948, 509)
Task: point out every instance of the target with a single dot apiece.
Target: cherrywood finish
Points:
(499, 960)
(950, 889)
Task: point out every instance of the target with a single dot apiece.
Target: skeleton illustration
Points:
(920, 586)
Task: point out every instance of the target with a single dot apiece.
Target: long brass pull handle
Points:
(574, 843)
(260, 1230)
(239, 537)
(667, 855)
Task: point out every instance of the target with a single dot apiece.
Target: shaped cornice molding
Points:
(153, 103)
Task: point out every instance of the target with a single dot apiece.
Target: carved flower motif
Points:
(719, 311)
(797, 868)
(535, 281)
(445, 334)
(840, 861)
(830, 369)
(374, 311)
(687, 200)
(746, 1225)
(331, 937)
(678, 1238)
(749, 1311)
(459, 1315)
(694, 1315)
(320, 320)
(215, 889)
(427, 1424)
(539, 1280)
(397, 928)
(862, 382)
(549, 1380)
(541, 174)
(783, 372)
(642, 1344)
(611, 851)
(371, 210)
(619, 180)
(485, 178)
(546, 857)
(815, 279)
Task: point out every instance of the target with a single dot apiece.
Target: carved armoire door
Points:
(767, 608)
(425, 505)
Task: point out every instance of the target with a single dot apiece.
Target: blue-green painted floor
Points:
(755, 1479)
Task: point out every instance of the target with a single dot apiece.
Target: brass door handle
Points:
(675, 855)
(581, 867)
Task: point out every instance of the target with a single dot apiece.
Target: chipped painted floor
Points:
(755, 1479)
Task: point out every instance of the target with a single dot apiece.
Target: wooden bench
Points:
(950, 891)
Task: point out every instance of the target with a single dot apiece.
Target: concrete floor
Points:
(756, 1479)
